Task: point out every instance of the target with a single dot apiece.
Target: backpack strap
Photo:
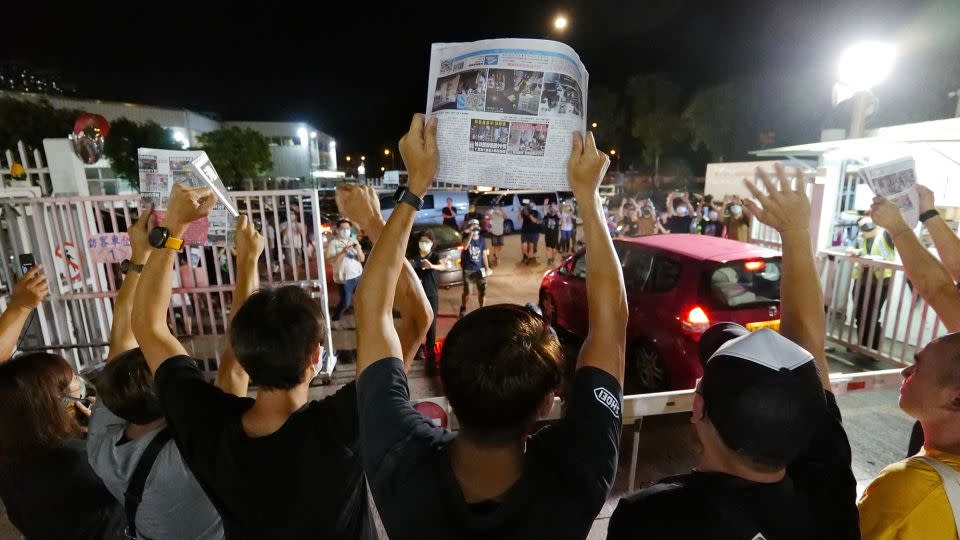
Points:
(951, 484)
(134, 494)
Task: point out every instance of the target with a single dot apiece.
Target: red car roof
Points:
(702, 248)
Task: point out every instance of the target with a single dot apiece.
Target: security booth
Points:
(872, 307)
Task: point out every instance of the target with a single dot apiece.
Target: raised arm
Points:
(121, 332)
(605, 345)
(801, 299)
(231, 377)
(152, 298)
(373, 303)
(361, 205)
(929, 277)
(27, 295)
(947, 241)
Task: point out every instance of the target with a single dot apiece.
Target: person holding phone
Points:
(27, 295)
(347, 258)
(426, 263)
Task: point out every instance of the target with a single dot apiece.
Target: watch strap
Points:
(173, 243)
(929, 214)
(403, 195)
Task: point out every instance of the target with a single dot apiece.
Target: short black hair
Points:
(275, 333)
(125, 386)
(426, 233)
(499, 363)
(341, 221)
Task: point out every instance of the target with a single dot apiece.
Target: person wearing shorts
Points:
(567, 224)
(497, 218)
(474, 263)
(529, 232)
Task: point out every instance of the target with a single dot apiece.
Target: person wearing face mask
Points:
(567, 225)
(710, 223)
(737, 220)
(681, 218)
(551, 232)
(529, 232)
(426, 263)
(346, 257)
(870, 243)
(649, 224)
(474, 263)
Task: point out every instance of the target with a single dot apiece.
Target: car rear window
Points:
(744, 284)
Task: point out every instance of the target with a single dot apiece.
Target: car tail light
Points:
(755, 266)
(695, 323)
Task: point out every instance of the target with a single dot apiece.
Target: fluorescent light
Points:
(865, 65)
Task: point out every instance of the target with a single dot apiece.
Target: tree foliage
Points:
(31, 121)
(237, 153)
(654, 103)
(126, 136)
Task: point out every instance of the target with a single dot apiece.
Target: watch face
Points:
(158, 235)
(125, 266)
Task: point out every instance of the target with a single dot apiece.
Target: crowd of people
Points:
(725, 218)
(162, 453)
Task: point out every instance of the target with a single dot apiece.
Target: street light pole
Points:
(859, 117)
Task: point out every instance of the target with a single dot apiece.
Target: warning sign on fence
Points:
(109, 247)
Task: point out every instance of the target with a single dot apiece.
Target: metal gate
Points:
(62, 234)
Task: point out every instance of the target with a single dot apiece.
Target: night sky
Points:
(359, 72)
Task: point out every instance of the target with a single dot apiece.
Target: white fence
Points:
(76, 319)
(36, 171)
(894, 322)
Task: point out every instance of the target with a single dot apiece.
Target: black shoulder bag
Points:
(134, 493)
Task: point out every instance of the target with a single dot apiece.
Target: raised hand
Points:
(587, 166)
(926, 198)
(139, 244)
(784, 208)
(188, 204)
(247, 241)
(887, 215)
(30, 290)
(418, 148)
(359, 204)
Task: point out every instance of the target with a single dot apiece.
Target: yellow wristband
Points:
(173, 243)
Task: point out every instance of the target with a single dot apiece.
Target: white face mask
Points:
(713, 216)
(425, 246)
(682, 211)
(344, 233)
(735, 209)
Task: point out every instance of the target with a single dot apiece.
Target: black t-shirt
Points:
(57, 495)
(551, 225)
(568, 469)
(679, 224)
(428, 277)
(449, 216)
(529, 225)
(303, 481)
(711, 228)
(815, 500)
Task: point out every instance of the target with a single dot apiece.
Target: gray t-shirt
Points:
(173, 505)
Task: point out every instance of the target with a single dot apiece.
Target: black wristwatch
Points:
(159, 237)
(403, 195)
(126, 266)
(932, 213)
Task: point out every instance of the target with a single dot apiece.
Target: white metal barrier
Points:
(37, 170)
(637, 407)
(76, 318)
(873, 309)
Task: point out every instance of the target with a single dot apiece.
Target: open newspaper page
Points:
(896, 181)
(507, 110)
(160, 170)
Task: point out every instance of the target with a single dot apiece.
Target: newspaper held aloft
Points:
(161, 169)
(896, 181)
(507, 110)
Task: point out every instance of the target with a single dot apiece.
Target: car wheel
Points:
(644, 370)
(507, 227)
(548, 308)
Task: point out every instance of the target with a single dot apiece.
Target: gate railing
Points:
(63, 234)
(873, 309)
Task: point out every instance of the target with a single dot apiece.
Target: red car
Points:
(678, 285)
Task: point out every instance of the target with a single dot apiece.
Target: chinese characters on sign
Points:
(109, 247)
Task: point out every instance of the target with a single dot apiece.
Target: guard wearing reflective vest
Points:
(879, 246)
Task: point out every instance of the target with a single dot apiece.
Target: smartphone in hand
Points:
(26, 263)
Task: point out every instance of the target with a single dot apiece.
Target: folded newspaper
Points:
(161, 169)
(896, 181)
(507, 109)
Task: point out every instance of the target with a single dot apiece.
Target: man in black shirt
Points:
(776, 461)
(501, 368)
(529, 232)
(278, 466)
(681, 213)
(426, 263)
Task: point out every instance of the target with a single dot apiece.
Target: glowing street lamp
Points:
(594, 125)
(348, 158)
(363, 157)
(862, 66)
(382, 169)
(613, 152)
(560, 23)
(393, 160)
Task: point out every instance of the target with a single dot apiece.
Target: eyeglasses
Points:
(78, 386)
